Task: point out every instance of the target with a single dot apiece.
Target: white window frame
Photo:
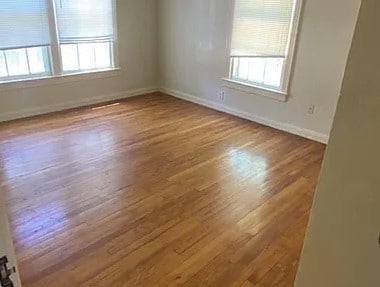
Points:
(55, 60)
(280, 94)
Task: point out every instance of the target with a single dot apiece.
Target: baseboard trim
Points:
(306, 133)
(75, 104)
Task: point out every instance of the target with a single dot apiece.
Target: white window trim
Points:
(57, 75)
(283, 92)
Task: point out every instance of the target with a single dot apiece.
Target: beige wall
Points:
(138, 58)
(6, 245)
(193, 47)
(342, 245)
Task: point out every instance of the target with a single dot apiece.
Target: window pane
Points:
(86, 56)
(69, 57)
(37, 58)
(273, 72)
(103, 55)
(3, 67)
(243, 68)
(17, 62)
(256, 70)
(235, 65)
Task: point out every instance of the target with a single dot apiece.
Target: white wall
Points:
(342, 243)
(193, 45)
(137, 24)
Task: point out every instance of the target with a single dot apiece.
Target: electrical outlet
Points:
(311, 110)
(221, 95)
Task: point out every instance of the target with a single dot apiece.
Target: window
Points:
(263, 40)
(55, 37)
(85, 31)
(24, 44)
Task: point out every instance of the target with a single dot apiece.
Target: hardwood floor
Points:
(155, 191)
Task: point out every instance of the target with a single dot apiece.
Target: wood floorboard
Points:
(155, 191)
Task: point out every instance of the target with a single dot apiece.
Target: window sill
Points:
(56, 80)
(256, 90)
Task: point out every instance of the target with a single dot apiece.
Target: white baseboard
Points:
(306, 133)
(74, 104)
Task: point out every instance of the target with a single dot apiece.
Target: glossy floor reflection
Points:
(154, 191)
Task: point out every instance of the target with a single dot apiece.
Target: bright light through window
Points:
(261, 71)
(70, 61)
(37, 58)
(86, 56)
(15, 63)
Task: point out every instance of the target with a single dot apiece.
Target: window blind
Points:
(261, 27)
(84, 20)
(23, 23)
